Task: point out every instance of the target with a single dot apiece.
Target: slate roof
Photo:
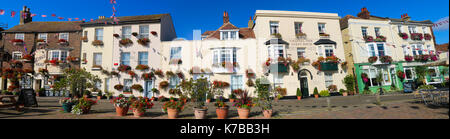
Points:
(127, 20)
(67, 26)
(244, 33)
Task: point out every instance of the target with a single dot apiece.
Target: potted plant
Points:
(99, 95)
(83, 107)
(324, 93)
(332, 88)
(316, 93)
(427, 36)
(299, 94)
(124, 68)
(173, 107)
(67, 104)
(143, 41)
(403, 35)
(373, 59)
(198, 91)
(140, 105)
(125, 42)
(159, 72)
(97, 43)
(349, 83)
(137, 87)
(264, 99)
(121, 104)
(142, 67)
(118, 87)
(343, 92)
(409, 58)
(221, 108)
(243, 104)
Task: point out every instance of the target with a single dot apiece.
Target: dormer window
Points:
(229, 35)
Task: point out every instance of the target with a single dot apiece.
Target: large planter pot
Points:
(267, 113)
(86, 110)
(138, 113)
(299, 97)
(172, 113)
(67, 107)
(99, 97)
(121, 111)
(345, 94)
(222, 113)
(231, 100)
(208, 100)
(243, 113)
(200, 113)
(316, 96)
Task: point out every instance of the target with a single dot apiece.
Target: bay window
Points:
(223, 55)
(276, 51)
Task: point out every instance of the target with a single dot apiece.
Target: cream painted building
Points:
(108, 54)
(307, 35)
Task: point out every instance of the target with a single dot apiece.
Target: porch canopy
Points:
(325, 41)
(276, 41)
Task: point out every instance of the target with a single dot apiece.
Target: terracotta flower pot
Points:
(232, 100)
(208, 100)
(200, 113)
(316, 96)
(138, 113)
(121, 111)
(85, 96)
(243, 113)
(99, 97)
(222, 113)
(267, 113)
(344, 94)
(172, 113)
(299, 97)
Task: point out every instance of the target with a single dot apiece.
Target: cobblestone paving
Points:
(351, 107)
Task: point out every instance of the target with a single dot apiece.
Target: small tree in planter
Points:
(349, 82)
(299, 94)
(316, 93)
(200, 88)
(264, 99)
(121, 104)
(244, 105)
(232, 97)
(140, 105)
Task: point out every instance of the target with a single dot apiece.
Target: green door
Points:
(304, 87)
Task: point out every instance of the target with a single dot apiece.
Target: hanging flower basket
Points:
(154, 33)
(373, 59)
(124, 68)
(249, 73)
(63, 42)
(118, 87)
(147, 76)
(159, 72)
(116, 35)
(417, 36)
(365, 77)
(137, 87)
(369, 39)
(114, 73)
(27, 57)
(180, 75)
(380, 39)
(386, 59)
(143, 41)
(163, 84)
(403, 35)
(427, 36)
(97, 43)
(434, 58)
(170, 74)
(401, 75)
(84, 39)
(125, 42)
(132, 74)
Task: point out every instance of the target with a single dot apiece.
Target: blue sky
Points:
(207, 14)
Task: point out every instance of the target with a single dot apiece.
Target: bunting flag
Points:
(77, 18)
(33, 15)
(2, 12)
(43, 15)
(70, 19)
(61, 18)
(53, 15)
(442, 24)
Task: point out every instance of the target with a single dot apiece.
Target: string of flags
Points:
(25, 15)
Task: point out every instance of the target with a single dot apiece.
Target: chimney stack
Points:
(25, 16)
(251, 23)
(226, 18)
(364, 14)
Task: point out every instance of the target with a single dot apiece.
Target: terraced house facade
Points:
(379, 50)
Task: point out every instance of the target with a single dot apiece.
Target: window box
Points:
(175, 62)
(124, 68)
(368, 39)
(125, 42)
(427, 36)
(276, 35)
(143, 41)
(324, 35)
(373, 59)
(63, 42)
(386, 59)
(97, 67)
(84, 39)
(416, 36)
(403, 35)
(421, 58)
(97, 43)
(142, 67)
(328, 66)
(380, 39)
(409, 58)
(300, 35)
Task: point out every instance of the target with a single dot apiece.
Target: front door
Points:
(304, 87)
(148, 89)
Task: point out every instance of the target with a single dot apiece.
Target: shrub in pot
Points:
(299, 94)
(264, 99)
(232, 97)
(99, 95)
(198, 90)
(173, 107)
(316, 93)
(324, 93)
(222, 108)
(83, 106)
(121, 104)
(140, 105)
(349, 83)
(67, 104)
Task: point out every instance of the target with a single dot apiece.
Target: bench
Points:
(12, 99)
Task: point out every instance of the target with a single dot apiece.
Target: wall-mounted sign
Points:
(301, 42)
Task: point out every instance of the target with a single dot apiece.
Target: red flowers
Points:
(401, 74)
(373, 59)
(369, 39)
(17, 40)
(142, 67)
(403, 35)
(409, 58)
(124, 68)
(417, 36)
(427, 36)
(62, 40)
(220, 84)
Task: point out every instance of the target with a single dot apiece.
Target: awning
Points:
(276, 41)
(325, 41)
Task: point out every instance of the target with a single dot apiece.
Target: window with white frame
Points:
(399, 28)
(175, 53)
(98, 84)
(98, 59)
(43, 36)
(364, 32)
(405, 50)
(377, 32)
(410, 73)
(229, 35)
(127, 83)
(174, 81)
(329, 50)
(64, 36)
(126, 32)
(276, 51)
(107, 84)
(237, 82)
(58, 55)
(321, 28)
(274, 27)
(376, 49)
(20, 36)
(412, 29)
(144, 31)
(298, 27)
(328, 79)
(433, 72)
(301, 52)
(430, 50)
(372, 74)
(125, 58)
(424, 29)
(222, 55)
(200, 76)
(143, 58)
(16, 55)
(417, 49)
(99, 34)
(385, 72)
